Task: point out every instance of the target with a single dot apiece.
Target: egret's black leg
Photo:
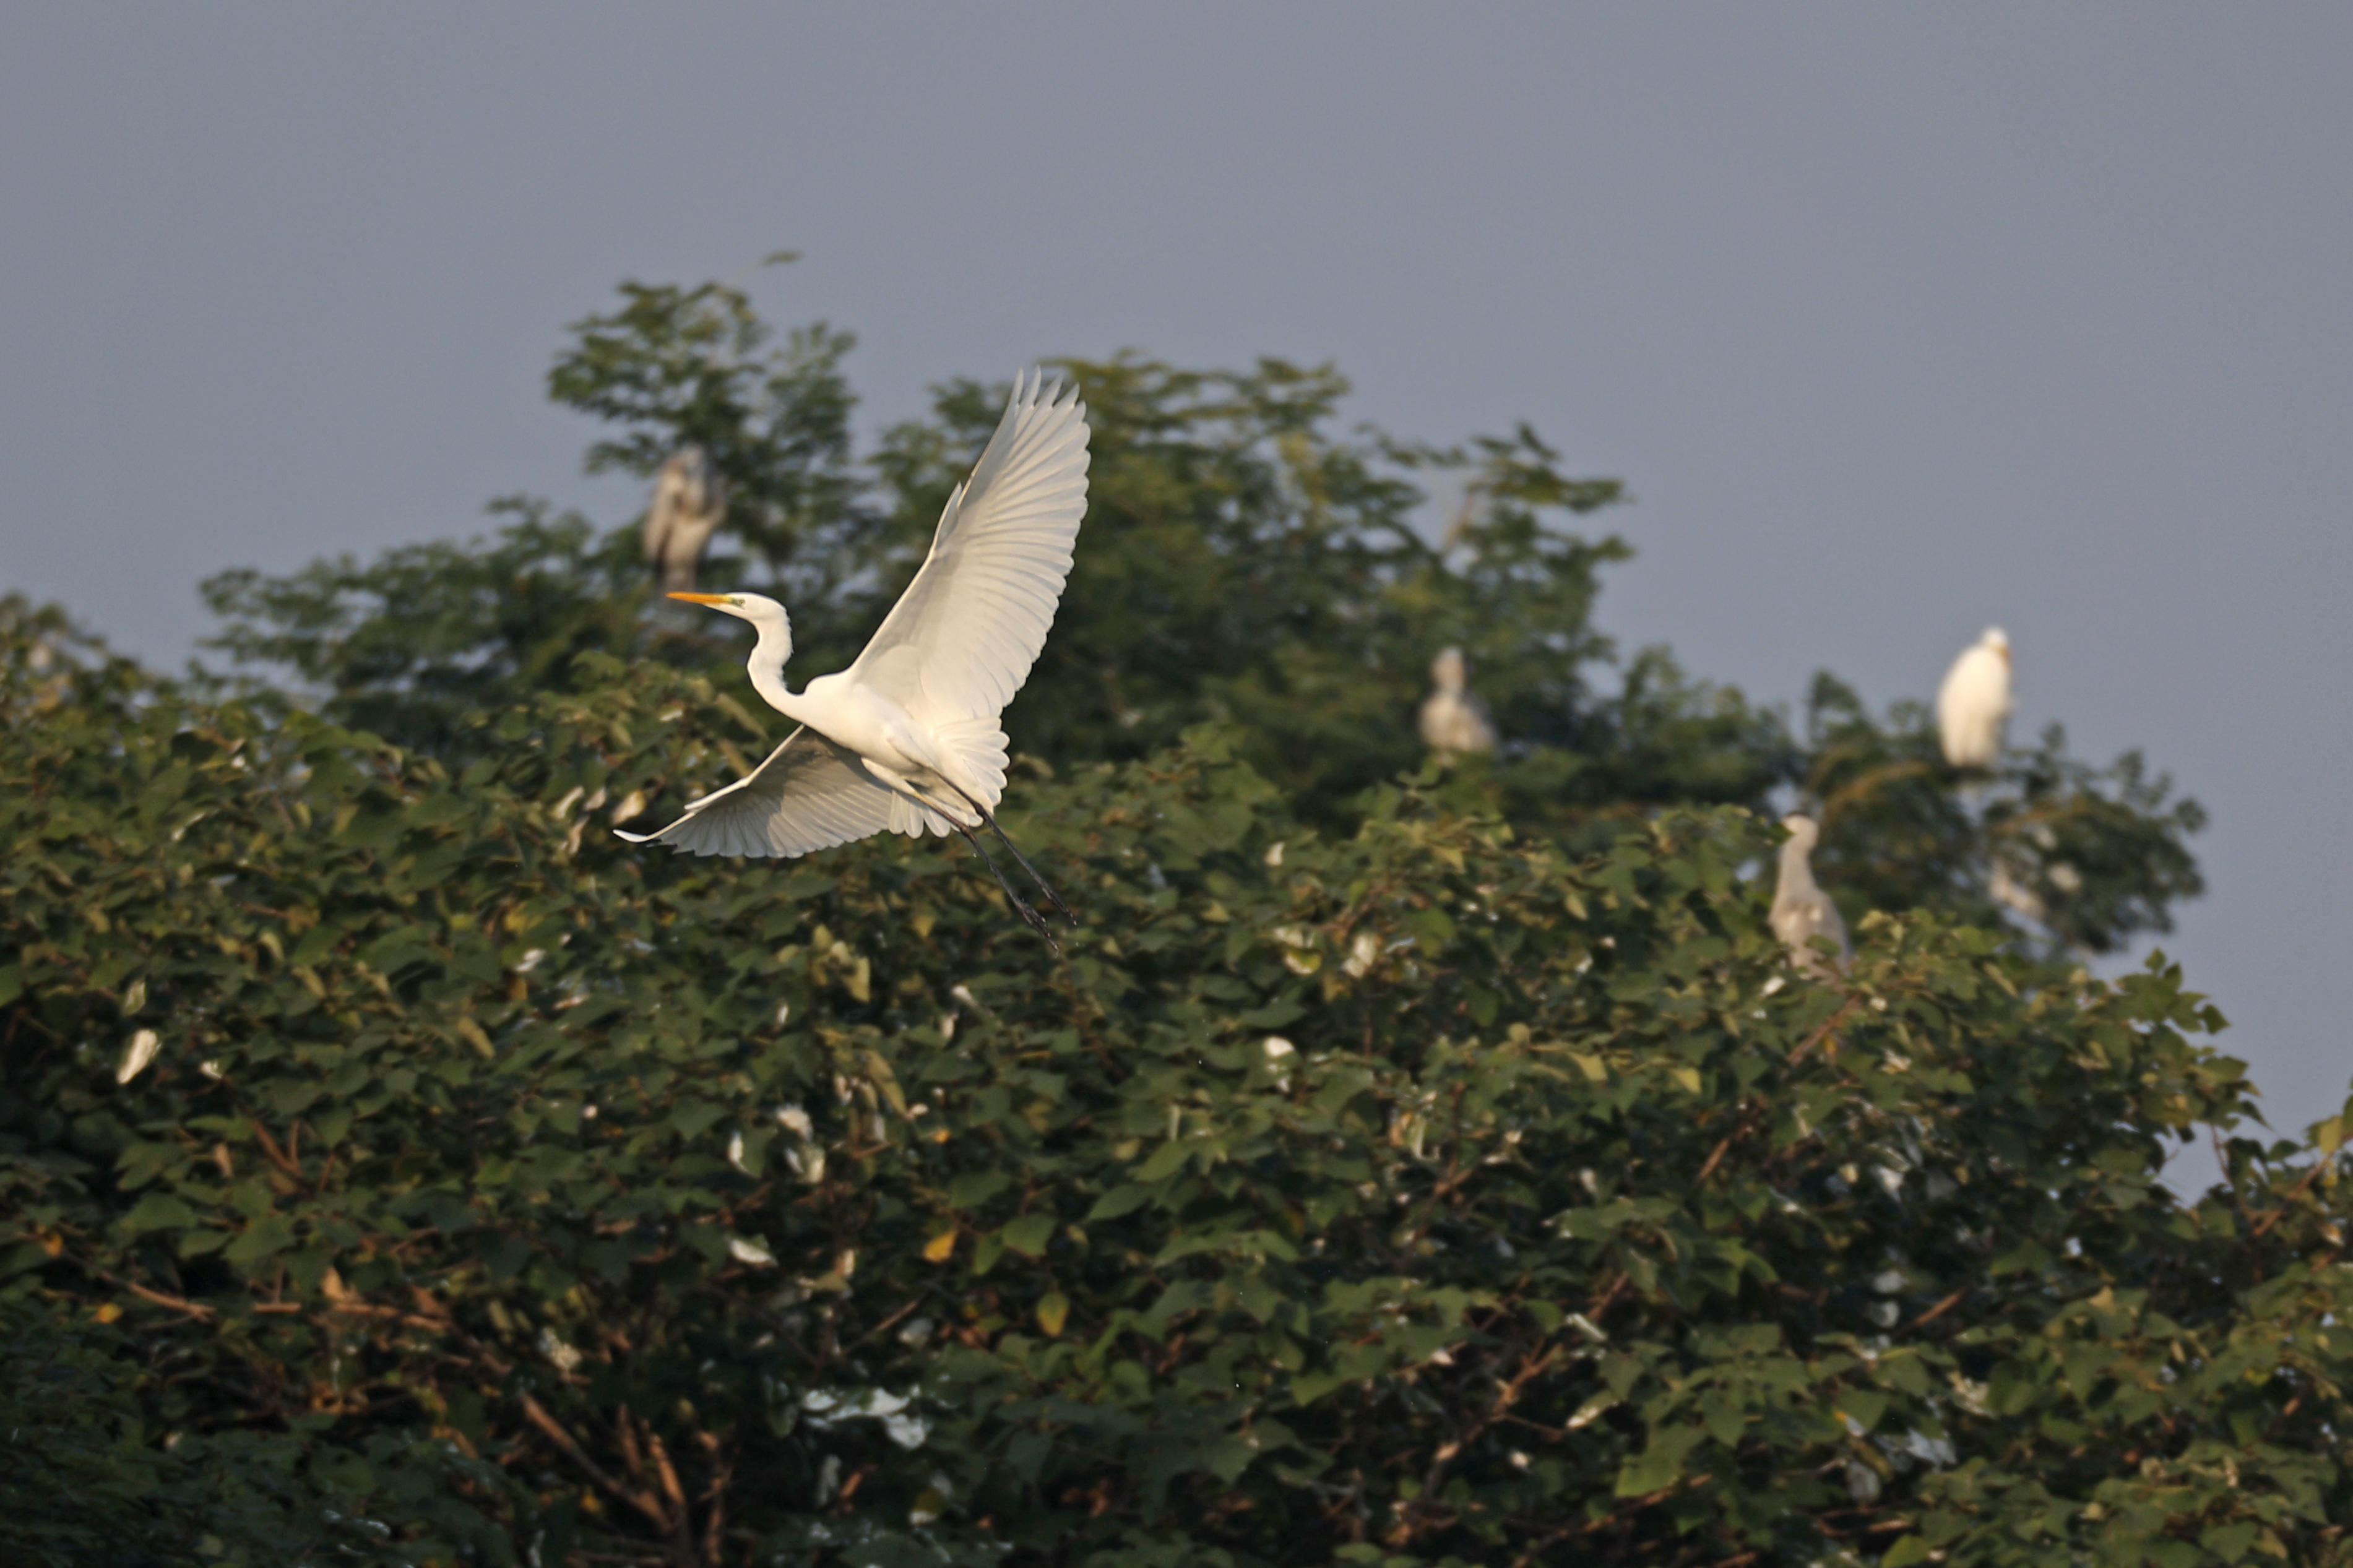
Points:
(1044, 886)
(1036, 922)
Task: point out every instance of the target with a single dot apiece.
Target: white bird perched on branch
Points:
(907, 738)
(1801, 910)
(1973, 704)
(1453, 720)
(690, 501)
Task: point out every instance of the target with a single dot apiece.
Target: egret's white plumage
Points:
(1801, 910)
(1973, 704)
(690, 501)
(907, 737)
(1453, 720)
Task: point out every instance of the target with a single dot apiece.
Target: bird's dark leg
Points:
(1036, 922)
(1043, 886)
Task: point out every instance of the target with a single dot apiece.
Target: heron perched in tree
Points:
(690, 501)
(1801, 910)
(907, 738)
(1453, 720)
(1973, 704)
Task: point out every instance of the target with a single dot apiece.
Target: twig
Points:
(1938, 1311)
(885, 1324)
(1721, 1150)
(681, 1530)
(644, 1503)
(269, 1147)
(1615, 1516)
(2293, 1193)
(199, 1312)
(716, 1496)
(194, 1310)
(1816, 1038)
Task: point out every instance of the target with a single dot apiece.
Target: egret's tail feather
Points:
(974, 751)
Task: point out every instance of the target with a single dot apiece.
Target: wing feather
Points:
(809, 795)
(962, 638)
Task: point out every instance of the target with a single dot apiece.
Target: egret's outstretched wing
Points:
(809, 795)
(960, 641)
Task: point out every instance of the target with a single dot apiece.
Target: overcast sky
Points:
(1899, 321)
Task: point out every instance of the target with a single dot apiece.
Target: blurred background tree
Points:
(1244, 561)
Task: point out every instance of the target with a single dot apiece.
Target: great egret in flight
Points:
(1453, 720)
(907, 737)
(1974, 702)
(690, 501)
(1801, 910)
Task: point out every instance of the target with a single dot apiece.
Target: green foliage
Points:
(1410, 1162)
(674, 365)
(1417, 1193)
(2082, 859)
(413, 645)
(86, 1478)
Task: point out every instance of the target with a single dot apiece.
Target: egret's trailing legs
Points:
(989, 818)
(1036, 922)
(1044, 886)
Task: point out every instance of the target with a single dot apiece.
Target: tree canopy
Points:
(1406, 1163)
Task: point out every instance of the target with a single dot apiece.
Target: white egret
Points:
(690, 501)
(907, 738)
(1801, 910)
(1453, 720)
(1973, 704)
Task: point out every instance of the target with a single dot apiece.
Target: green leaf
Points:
(1863, 1406)
(1126, 1199)
(1661, 1464)
(264, 1238)
(158, 1211)
(1030, 1234)
(1907, 1550)
(1166, 1160)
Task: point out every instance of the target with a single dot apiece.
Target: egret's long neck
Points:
(1797, 867)
(766, 665)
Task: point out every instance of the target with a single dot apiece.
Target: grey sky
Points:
(1899, 321)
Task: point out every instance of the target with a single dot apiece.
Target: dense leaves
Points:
(1422, 1192)
(1408, 1162)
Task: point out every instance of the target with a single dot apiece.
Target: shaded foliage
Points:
(412, 646)
(1422, 1192)
(2082, 859)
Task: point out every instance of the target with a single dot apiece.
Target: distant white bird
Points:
(1453, 720)
(1801, 910)
(1973, 704)
(907, 737)
(690, 501)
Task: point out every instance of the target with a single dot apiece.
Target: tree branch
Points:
(644, 1503)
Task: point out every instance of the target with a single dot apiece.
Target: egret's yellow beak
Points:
(702, 598)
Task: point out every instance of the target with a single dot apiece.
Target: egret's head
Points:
(1447, 670)
(747, 607)
(1803, 830)
(1997, 639)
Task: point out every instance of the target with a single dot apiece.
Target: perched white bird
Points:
(690, 501)
(1453, 720)
(1973, 704)
(907, 737)
(1801, 910)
